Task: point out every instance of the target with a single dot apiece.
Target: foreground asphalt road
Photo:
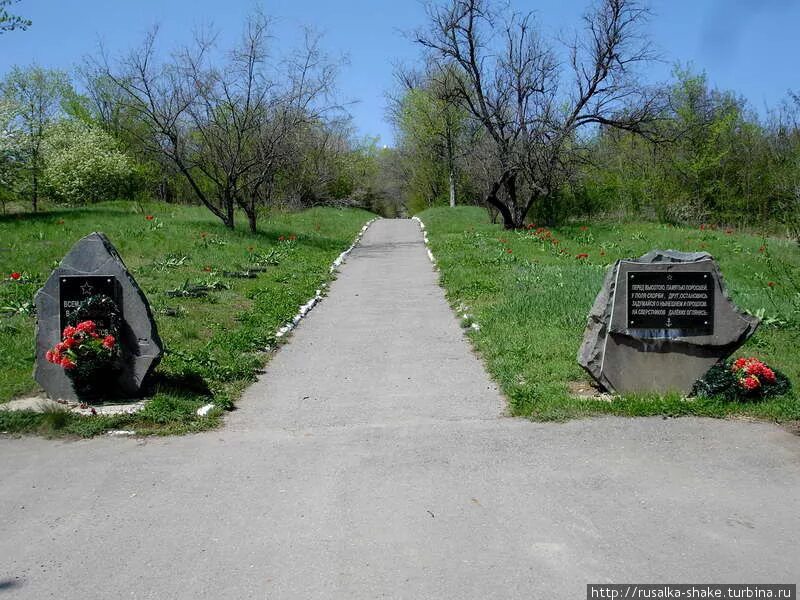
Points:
(373, 460)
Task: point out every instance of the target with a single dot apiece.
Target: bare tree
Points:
(224, 128)
(511, 82)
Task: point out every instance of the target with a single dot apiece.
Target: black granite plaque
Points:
(671, 300)
(74, 290)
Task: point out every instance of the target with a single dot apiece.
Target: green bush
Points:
(84, 165)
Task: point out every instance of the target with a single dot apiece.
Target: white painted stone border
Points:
(475, 326)
(308, 306)
(425, 239)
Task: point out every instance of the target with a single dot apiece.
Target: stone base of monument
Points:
(41, 404)
(91, 267)
(660, 322)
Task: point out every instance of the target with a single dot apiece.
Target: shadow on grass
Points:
(183, 384)
(49, 215)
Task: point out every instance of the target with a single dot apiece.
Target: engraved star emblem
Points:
(86, 289)
(669, 277)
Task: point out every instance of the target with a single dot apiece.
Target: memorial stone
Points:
(93, 267)
(660, 323)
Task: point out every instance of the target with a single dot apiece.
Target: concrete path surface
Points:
(373, 460)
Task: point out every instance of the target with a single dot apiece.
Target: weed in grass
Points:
(171, 261)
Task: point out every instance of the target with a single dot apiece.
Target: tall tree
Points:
(35, 95)
(430, 118)
(511, 83)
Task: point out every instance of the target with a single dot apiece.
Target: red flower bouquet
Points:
(745, 378)
(752, 374)
(89, 351)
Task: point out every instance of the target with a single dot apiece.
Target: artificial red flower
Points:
(754, 367)
(750, 383)
(86, 326)
(48, 356)
(70, 342)
(740, 363)
(16, 276)
(109, 341)
(69, 331)
(149, 217)
(67, 364)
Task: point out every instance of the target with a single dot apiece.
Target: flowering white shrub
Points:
(83, 164)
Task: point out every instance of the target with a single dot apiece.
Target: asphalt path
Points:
(373, 459)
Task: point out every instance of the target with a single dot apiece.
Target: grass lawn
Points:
(213, 343)
(531, 297)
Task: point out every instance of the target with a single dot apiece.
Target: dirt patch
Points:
(587, 391)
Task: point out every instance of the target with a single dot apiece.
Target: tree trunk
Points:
(35, 190)
(230, 208)
(493, 200)
(452, 182)
(516, 216)
(252, 218)
(508, 218)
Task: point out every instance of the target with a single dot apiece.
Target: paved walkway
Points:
(372, 460)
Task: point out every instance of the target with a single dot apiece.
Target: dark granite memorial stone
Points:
(94, 262)
(660, 323)
(74, 290)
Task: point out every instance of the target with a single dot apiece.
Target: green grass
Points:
(531, 304)
(214, 343)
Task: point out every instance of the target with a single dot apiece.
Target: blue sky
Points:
(750, 46)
